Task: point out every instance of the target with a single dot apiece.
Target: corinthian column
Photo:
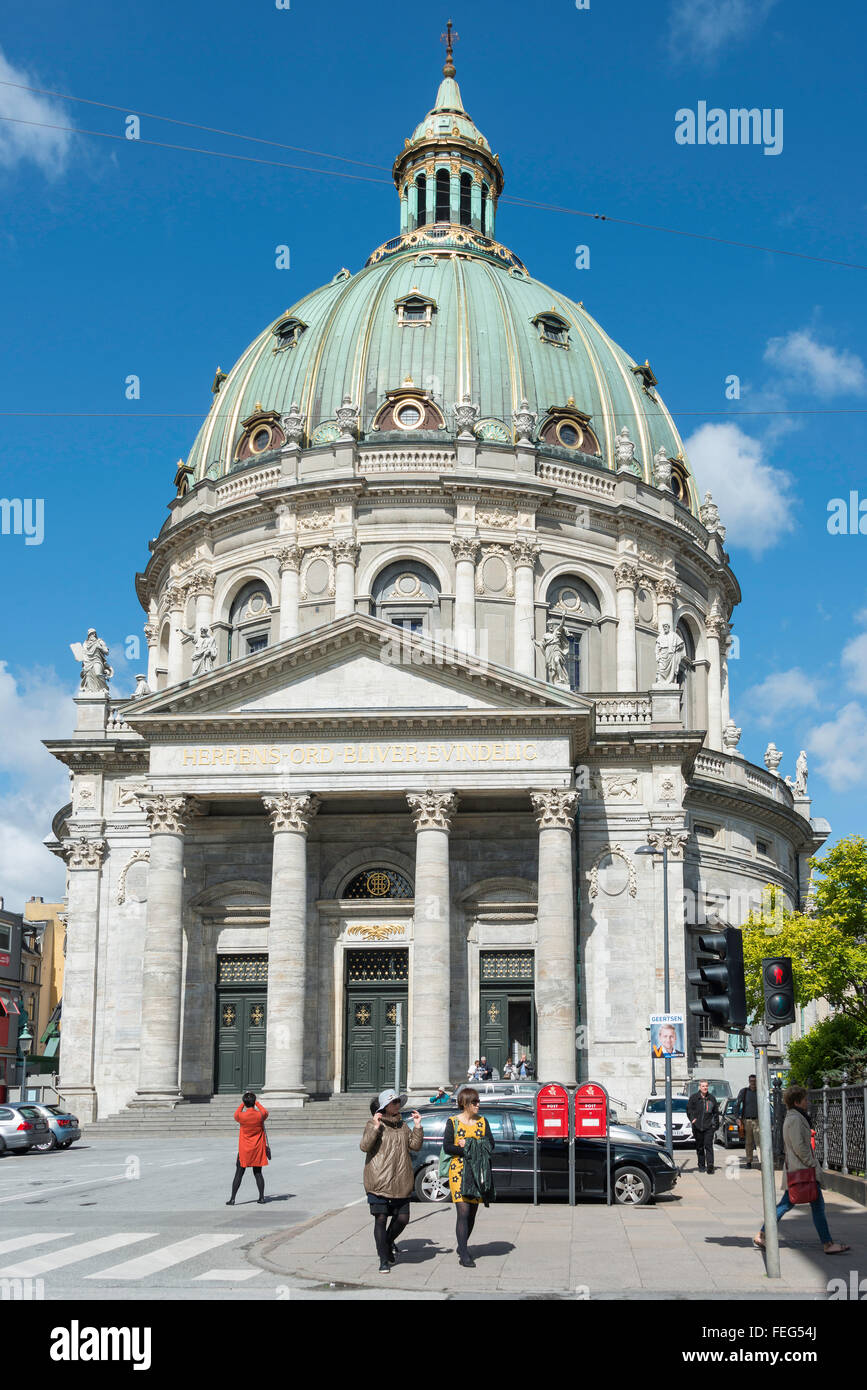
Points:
(84, 860)
(151, 632)
(162, 977)
(177, 599)
(666, 593)
(290, 816)
(345, 556)
(525, 553)
(202, 589)
(556, 983)
(715, 627)
(626, 577)
(289, 560)
(466, 552)
(430, 1019)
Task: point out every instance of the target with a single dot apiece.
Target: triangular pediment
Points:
(354, 666)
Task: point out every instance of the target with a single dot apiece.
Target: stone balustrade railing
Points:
(741, 773)
(596, 484)
(622, 710)
(248, 483)
(405, 460)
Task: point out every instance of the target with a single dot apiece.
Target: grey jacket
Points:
(796, 1138)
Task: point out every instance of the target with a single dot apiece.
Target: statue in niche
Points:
(670, 656)
(554, 647)
(204, 650)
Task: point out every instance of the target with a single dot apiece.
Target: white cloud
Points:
(854, 663)
(841, 746)
(33, 785)
(779, 695)
(702, 28)
(49, 149)
(816, 367)
(754, 499)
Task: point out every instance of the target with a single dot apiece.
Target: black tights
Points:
(466, 1215)
(239, 1173)
(386, 1234)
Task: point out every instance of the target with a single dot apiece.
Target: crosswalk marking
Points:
(21, 1242)
(228, 1274)
(83, 1250)
(157, 1260)
(309, 1162)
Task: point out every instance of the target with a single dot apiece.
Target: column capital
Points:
(82, 853)
(288, 557)
(202, 582)
(175, 595)
(525, 552)
(166, 815)
(668, 839)
(151, 632)
(432, 810)
(465, 548)
(716, 626)
(627, 575)
(666, 589)
(288, 811)
(345, 550)
(555, 810)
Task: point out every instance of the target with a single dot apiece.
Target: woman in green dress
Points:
(467, 1124)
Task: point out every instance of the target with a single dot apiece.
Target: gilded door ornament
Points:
(493, 1013)
(229, 1016)
(391, 1014)
(378, 883)
(376, 933)
(362, 1014)
(257, 1015)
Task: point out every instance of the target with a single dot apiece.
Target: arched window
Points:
(249, 621)
(443, 207)
(573, 601)
(466, 199)
(407, 594)
(378, 882)
(693, 717)
(421, 200)
(486, 193)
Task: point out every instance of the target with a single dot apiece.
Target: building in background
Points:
(20, 988)
(50, 920)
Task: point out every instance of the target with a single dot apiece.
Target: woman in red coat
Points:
(252, 1144)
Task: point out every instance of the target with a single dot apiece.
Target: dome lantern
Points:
(446, 175)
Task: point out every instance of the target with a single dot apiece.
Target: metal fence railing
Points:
(840, 1119)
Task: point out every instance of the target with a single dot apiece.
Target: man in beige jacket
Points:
(797, 1139)
(388, 1178)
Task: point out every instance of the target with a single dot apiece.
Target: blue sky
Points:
(121, 258)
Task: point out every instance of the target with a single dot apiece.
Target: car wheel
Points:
(429, 1186)
(631, 1187)
(47, 1144)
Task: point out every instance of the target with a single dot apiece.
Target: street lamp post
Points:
(25, 1042)
(663, 852)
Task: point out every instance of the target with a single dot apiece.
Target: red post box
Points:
(552, 1112)
(591, 1111)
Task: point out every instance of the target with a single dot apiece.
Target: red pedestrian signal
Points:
(779, 991)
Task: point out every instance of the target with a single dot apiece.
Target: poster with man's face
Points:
(666, 1035)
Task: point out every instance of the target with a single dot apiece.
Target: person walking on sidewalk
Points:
(388, 1178)
(469, 1142)
(800, 1155)
(748, 1114)
(252, 1145)
(702, 1110)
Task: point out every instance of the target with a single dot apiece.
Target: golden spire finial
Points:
(449, 38)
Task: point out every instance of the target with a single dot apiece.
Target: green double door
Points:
(242, 1018)
(371, 1033)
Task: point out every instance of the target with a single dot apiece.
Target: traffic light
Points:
(726, 1002)
(779, 988)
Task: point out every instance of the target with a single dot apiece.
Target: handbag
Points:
(443, 1165)
(267, 1144)
(803, 1185)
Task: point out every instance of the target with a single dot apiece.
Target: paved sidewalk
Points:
(693, 1243)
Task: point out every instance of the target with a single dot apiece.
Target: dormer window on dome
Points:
(680, 481)
(262, 434)
(646, 377)
(287, 332)
(552, 329)
(408, 409)
(566, 427)
(414, 308)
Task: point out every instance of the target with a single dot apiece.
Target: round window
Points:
(569, 435)
(569, 598)
(409, 417)
(261, 440)
(408, 584)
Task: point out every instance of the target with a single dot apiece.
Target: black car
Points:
(728, 1133)
(640, 1170)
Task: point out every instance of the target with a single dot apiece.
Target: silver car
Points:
(21, 1127)
(63, 1128)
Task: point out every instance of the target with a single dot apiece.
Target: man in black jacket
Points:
(747, 1109)
(703, 1112)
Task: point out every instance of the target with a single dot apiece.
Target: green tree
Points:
(836, 1044)
(841, 886)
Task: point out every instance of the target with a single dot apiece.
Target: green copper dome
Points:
(478, 329)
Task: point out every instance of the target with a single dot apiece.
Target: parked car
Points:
(497, 1092)
(22, 1128)
(651, 1119)
(63, 1128)
(640, 1170)
(728, 1134)
(721, 1089)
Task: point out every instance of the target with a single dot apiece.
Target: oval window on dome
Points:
(679, 485)
(261, 439)
(408, 417)
(570, 435)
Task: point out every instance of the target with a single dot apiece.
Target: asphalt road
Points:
(111, 1219)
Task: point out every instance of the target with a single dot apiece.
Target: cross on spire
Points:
(449, 38)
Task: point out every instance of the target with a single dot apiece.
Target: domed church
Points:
(437, 629)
